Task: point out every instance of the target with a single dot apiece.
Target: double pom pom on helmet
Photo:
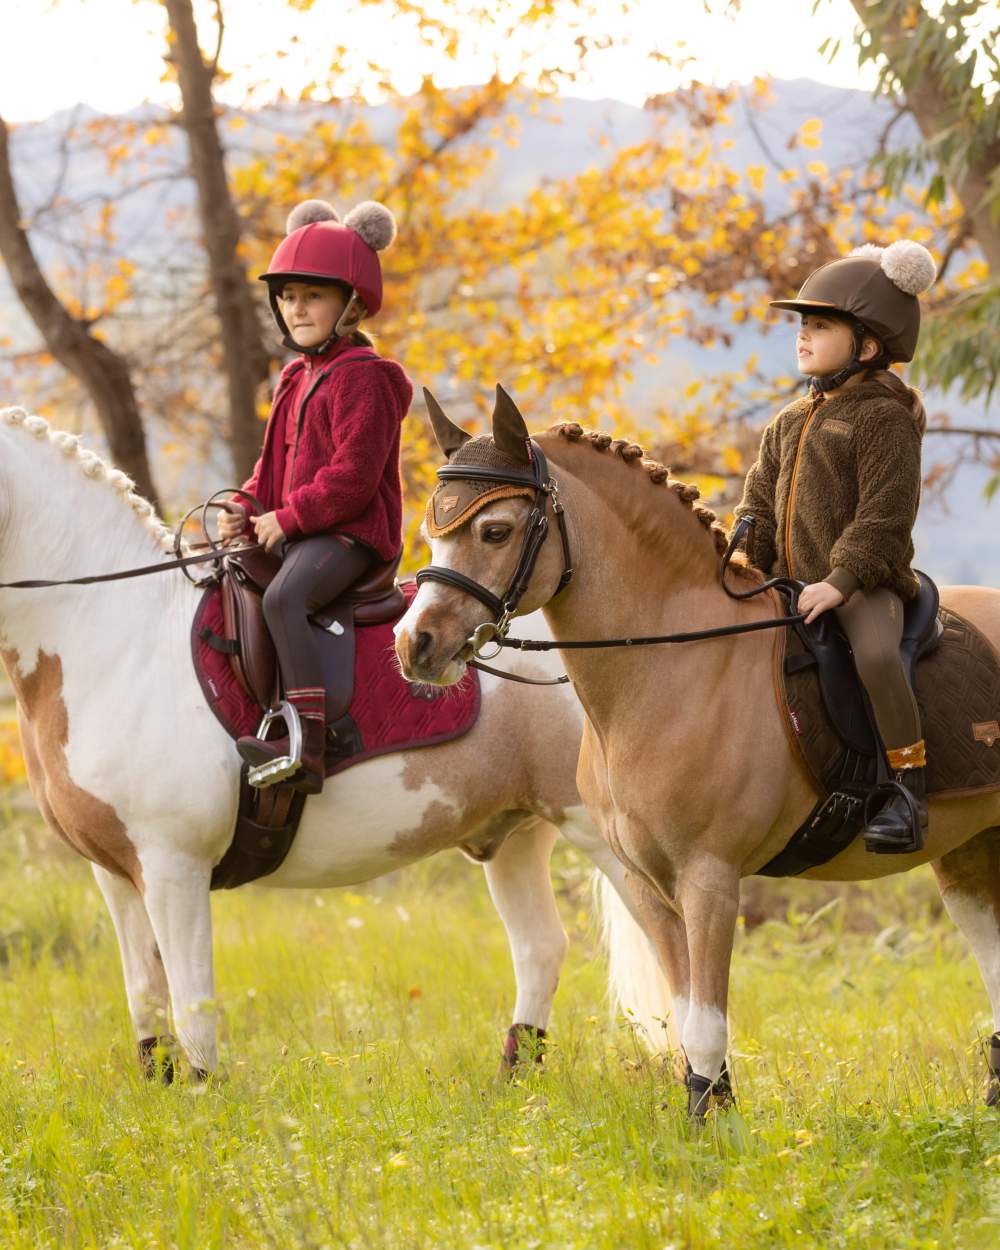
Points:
(905, 263)
(371, 220)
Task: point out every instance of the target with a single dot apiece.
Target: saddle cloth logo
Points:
(986, 731)
(448, 502)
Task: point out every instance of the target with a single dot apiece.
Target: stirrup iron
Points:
(263, 775)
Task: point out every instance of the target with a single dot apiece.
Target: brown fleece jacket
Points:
(835, 491)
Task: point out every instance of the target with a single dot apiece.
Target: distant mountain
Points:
(557, 139)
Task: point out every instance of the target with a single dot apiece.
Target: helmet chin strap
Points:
(338, 332)
(824, 382)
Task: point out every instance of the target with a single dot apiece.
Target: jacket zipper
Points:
(791, 488)
(346, 360)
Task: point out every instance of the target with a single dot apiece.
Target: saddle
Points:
(858, 764)
(373, 600)
(269, 815)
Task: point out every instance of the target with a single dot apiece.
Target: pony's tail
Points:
(637, 986)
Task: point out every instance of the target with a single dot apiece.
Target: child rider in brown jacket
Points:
(835, 490)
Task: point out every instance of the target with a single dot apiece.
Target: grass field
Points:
(359, 1108)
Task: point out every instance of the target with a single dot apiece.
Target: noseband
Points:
(502, 607)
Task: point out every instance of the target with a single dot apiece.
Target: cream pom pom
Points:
(870, 251)
(909, 266)
(374, 223)
(307, 212)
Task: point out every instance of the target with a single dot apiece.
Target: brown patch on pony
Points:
(89, 825)
(659, 474)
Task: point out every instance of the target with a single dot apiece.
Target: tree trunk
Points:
(103, 372)
(933, 105)
(245, 358)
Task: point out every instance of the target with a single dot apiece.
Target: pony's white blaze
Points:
(126, 759)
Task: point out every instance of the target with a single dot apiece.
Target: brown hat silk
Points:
(858, 286)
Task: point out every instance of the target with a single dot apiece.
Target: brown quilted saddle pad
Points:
(958, 693)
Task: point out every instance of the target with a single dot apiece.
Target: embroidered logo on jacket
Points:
(833, 426)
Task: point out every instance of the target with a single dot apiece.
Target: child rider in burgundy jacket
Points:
(328, 478)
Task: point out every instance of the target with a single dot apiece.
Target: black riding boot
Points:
(901, 826)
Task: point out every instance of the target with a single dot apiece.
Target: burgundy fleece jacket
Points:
(349, 404)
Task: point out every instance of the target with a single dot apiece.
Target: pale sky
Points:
(108, 53)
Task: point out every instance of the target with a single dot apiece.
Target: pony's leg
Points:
(177, 901)
(145, 980)
(521, 888)
(709, 899)
(969, 880)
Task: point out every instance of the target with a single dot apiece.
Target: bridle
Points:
(504, 606)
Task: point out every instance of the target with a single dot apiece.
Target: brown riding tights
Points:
(873, 623)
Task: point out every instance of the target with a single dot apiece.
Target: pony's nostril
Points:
(422, 646)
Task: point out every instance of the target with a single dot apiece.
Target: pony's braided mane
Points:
(660, 475)
(92, 465)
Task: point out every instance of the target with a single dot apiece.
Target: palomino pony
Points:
(686, 764)
(128, 764)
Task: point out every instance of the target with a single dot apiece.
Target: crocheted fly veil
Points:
(456, 502)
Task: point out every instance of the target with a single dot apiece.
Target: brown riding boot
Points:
(311, 707)
(309, 779)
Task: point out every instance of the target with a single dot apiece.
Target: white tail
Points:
(639, 990)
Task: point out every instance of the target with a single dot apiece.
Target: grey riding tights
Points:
(873, 623)
(314, 571)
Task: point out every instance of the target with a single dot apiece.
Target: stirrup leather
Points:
(285, 766)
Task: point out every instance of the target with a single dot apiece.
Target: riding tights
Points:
(873, 623)
(314, 571)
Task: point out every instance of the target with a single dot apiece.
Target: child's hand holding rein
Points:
(818, 598)
(268, 531)
(232, 522)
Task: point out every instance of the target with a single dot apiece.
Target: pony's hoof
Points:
(524, 1044)
(704, 1094)
(993, 1093)
(156, 1060)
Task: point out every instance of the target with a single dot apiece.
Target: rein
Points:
(504, 606)
(180, 562)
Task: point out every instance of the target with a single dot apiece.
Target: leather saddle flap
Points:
(255, 663)
(843, 694)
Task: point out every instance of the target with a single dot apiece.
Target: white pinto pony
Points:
(128, 764)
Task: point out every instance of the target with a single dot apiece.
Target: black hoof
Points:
(524, 1044)
(155, 1059)
(704, 1094)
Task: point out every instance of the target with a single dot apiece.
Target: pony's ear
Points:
(449, 436)
(510, 434)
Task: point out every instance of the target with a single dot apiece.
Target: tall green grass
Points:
(359, 1107)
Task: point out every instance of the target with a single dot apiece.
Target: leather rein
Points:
(216, 554)
(503, 607)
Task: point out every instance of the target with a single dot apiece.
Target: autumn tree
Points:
(942, 70)
(71, 337)
(245, 359)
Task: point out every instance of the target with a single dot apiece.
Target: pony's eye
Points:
(496, 533)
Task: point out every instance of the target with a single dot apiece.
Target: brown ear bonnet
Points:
(455, 503)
